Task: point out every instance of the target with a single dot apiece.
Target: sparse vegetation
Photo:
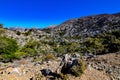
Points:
(89, 35)
(48, 57)
(28, 33)
(31, 48)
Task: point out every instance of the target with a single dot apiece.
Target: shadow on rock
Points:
(48, 72)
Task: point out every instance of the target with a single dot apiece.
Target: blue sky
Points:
(41, 13)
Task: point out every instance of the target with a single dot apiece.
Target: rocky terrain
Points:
(88, 26)
(35, 54)
(102, 67)
(108, 63)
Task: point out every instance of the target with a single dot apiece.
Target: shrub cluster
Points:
(8, 47)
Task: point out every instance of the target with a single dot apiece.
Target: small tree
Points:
(1, 25)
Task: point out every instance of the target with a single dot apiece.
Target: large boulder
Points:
(74, 66)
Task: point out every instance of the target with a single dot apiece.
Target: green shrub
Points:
(93, 45)
(76, 70)
(60, 50)
(18, 33)
(64, 77)
(7, 45)
(112, 43)
(20, 54)
(52, 43)
(27, 33)
(33, 44)
(72, 47)
(11, 56)
(31, 48)
(29, 51)
(79, 68)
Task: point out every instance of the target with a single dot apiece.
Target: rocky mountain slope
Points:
(24, 53)
(101, 31)
(89, 26)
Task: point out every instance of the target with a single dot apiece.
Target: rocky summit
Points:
(86, 48)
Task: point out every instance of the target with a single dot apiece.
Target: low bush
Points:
(49, 56)
(20, 55)
(79, 68)
(7, 45)
(31, 48)
(27, 33)
(29, 51)
(18, 33)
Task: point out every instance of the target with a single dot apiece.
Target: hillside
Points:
(103, 30)
(89, 26)
(94, 41)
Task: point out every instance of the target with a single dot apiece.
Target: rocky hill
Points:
(28, 53)
(89, 26)
(90, 30)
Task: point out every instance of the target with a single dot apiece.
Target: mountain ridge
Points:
(103, 21)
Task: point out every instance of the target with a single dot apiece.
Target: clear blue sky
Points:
(41, 13)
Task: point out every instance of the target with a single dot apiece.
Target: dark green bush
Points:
(18, 33)
(93, 45)
(7, 45)
(112, 43)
